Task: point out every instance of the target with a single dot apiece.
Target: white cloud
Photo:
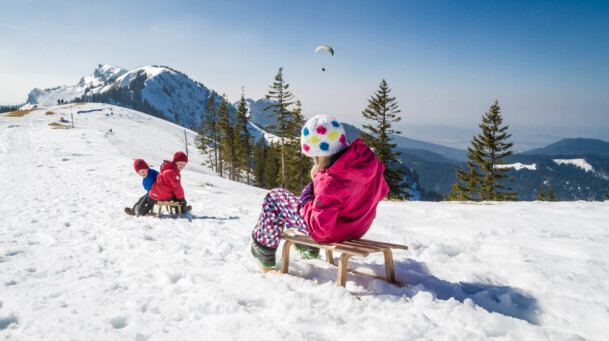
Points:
(15, 27)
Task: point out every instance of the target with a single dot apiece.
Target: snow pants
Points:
(279, 211)
(139, 201)
(144, 205)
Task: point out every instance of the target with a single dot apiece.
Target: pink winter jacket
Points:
(346, 196)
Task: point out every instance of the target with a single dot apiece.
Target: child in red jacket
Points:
(168, 185)
(340, 204)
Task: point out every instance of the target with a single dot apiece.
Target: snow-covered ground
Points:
(73, 266)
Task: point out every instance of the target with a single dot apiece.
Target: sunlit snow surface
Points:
(73, 266)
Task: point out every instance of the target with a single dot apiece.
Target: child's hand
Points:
(306, 195)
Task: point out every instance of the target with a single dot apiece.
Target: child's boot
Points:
(309, 252)
(264, 255)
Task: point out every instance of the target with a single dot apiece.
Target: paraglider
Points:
(327, 48)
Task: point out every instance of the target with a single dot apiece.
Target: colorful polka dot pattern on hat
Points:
(322, 136)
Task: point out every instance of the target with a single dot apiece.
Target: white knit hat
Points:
(322, 135)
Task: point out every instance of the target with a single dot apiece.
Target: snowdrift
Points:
(74, 266)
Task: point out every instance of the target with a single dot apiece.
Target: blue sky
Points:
(547, 62)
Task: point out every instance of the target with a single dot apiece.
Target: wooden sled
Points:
(170, 206)
(360, 248)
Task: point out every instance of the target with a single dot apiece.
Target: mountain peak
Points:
(106, 71)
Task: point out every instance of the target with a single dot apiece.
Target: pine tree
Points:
(297, 164)
(284, 118)
(471, 180)
(544, 194)
(493, 149)
(209, 132)
(607, 194)
(271, 166)
(226, 139)
(243, 141)
(200, 140)
(260, 150)
(485, 157)
(541, 193)
(382, 110)
(551, 195)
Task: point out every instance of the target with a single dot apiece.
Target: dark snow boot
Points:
(129, 211)
(186, 209)
(307, 251)
(264, 255)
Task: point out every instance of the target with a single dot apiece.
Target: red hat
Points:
(140, 164)
(179, 156)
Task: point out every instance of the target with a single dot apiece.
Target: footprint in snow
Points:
(5, 322)
(119, 322)
(141, 337)
(175, 277)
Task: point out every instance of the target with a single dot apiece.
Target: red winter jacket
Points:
(167, 184)
(346, 196)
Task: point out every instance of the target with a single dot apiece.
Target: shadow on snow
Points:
(191, 217)
(499, 299)
(504, 300)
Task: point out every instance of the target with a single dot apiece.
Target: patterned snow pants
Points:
(279, 211)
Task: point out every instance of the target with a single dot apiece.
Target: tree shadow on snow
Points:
(504, 300)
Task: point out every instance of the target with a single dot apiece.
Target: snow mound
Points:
(74, 266)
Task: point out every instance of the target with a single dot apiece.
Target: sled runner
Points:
(360, 248)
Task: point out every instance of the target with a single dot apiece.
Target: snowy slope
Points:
(74, 266)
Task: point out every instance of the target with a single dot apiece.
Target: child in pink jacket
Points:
(340, 204)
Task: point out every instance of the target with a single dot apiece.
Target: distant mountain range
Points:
(578, 168)
(578, 146)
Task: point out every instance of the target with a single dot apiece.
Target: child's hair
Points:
(321, 163)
